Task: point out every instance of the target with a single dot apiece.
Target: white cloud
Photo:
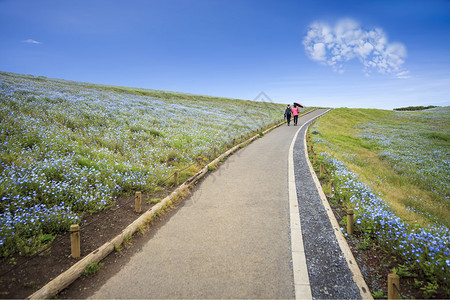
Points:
(336, 45)
(318, 51)
(403, 74)
(30, 41)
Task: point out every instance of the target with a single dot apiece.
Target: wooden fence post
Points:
(75, 241)
(215, 152)
(321, 170)
(225, 146)
(138, 202)
(234, 142)
(175, 175)
(331, 186)
(314, 158)
(350, 221)
(393, 286)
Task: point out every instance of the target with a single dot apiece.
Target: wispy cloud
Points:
(334, 46)
(31, 41)
(404, 74)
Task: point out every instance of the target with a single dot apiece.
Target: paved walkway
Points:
(232, 237)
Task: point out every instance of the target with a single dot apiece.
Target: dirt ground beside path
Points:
(85, 286)
(23, 275)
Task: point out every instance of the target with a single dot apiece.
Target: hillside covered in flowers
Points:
(69, 148)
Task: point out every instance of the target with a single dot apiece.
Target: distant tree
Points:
(414, 108)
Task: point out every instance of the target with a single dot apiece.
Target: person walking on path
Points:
(295, 114)
(287, 114)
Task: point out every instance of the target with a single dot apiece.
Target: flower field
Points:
(417, 146)
(70, 148)
(392, 168)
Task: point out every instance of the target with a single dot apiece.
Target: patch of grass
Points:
(92, 268)
(362, 139)
(155, 200)
(127, 239)
(118, 248)
(46, 238)
(438, 136)
(378, 294)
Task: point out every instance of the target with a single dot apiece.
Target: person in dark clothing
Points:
(287, 114)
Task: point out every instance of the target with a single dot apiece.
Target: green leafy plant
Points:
(402, 271)
(363, 245)
(378, 294)
(46, 238)
(417, 283)
(430, 290)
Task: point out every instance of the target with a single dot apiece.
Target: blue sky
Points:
(364, 53)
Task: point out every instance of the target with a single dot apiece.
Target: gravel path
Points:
(329, 274)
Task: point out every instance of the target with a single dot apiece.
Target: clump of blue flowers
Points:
(425, 250)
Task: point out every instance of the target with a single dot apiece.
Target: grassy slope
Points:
(366, 141)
